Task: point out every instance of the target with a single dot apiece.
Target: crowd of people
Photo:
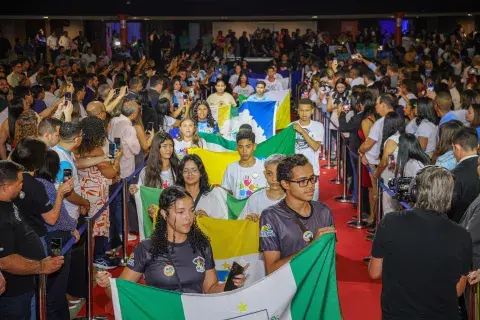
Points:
(71, 130)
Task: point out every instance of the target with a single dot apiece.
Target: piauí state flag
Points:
(305, 288)
(220, 152)
(266, 117)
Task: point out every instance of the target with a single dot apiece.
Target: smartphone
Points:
(346, 106)
(234, 271)
(56, 245)
(150, 126)
(430, 86)
(192, 93)
(67, 174)
(68, 96)
(185, 99)
(118, 143)
(380, 48)
(112, 149)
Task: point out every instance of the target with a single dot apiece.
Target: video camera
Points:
(401, 187)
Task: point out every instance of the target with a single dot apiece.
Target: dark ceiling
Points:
(233, 8)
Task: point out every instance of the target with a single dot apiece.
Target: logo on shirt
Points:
(308, 236)
(199, 263)
(131, 260)
(300, 142)
(266, 231)
(169, 270)
(247, 187)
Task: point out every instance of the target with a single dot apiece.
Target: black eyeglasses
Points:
(304, 182)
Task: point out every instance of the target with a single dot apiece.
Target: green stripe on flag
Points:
(314, 273)
(235, 206)
(135, 305)
(149, 196)
(218, 140)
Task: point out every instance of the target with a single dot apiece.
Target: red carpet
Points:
(359, 295)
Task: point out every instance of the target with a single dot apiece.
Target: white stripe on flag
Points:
(255, 271)
(115, 300)
(250, 302)
(139, 205)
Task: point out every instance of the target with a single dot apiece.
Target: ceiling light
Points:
(45, 17)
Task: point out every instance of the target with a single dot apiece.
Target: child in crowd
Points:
(160, 170)
(309, 137)
(242, 87)
(220, 97)
(245, 177)
(188, 138)
(202, 116)
(266, 197)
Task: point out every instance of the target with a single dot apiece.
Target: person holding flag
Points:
(296, 221)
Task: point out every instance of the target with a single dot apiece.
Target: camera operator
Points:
(422, 257)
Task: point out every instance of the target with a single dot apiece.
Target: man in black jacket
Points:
(467, 182)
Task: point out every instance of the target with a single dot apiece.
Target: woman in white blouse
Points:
(208, 201)
(427, 129)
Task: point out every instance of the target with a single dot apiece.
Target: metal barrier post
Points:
(125, 223)
(338, 179)
(42, 296)
(324, 145)
(357, 223)
(344, 198)
(328, 146)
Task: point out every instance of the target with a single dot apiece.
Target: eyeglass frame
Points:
(313, 180)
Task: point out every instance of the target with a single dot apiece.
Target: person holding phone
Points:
(165, 259)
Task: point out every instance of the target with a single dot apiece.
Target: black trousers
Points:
(16, 308)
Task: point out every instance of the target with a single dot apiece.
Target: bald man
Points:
(97, 109)
(443, 107)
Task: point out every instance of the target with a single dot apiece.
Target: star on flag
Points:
(242, 307)
(226, 266)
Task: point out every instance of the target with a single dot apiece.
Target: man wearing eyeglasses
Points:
(297, 220)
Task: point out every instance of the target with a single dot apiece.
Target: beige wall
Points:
(13, 29)
(251, 26)
(73, 29)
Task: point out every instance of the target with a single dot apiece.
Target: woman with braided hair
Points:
(178, 256)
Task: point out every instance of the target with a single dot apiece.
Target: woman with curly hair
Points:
(165, 260)
(209, 201)
(202, 115)
(162, 163)
(95, 181)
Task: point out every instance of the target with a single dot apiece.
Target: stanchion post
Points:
(42, 296)
(89, 243)
(344, 198)
(328, 147)
(125, 222)
(357, 223)
(338, 179)
(325, 143)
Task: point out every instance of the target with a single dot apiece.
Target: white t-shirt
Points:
(247, 91)
(411, 126)
(167, 177)
(182, 146)
(387, 174)
(257, 202)
(243, 182)
(273, 86)
(233, 80)
(376, 133)
(316, 132)
(214, 203)
(225, 99)
(428, 130)
(462, 115)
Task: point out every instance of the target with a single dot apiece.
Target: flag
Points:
(143, 199)
(304, 288)
(234, 240)
(216, 157)
(147, 196)
(266, 117)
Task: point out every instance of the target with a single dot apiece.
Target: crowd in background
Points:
(401, 108)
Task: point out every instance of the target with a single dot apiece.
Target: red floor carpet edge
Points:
(359, 295)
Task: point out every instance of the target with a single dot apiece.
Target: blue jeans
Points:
(17, 307)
